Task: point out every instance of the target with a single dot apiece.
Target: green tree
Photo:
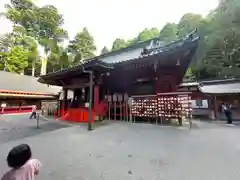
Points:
(169, 32)
(29, 43)
(220, 42)
(58, 59)
(49, 31)
(17, 59)
(188, 23)
(189, 76)
(82, 46)
(42, 23)
(119, 44)
(6, 42)
(147, 34)
(23, 14)
(104, 50)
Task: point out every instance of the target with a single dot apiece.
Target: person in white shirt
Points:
(34, 112)
(3, 106)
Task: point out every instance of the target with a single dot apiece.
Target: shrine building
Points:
(20, 92)
(149, 72)
(208, 96)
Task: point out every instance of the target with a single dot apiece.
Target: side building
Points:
(209, 95)
(20, 92)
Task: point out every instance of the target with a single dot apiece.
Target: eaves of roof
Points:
(224, 86)
(21, 84)
(94, 61)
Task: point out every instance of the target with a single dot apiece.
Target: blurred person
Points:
(3, 106)
(34, 112)
(23, 167)
(228, 112)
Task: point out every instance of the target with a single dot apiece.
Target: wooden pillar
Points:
(96, 96)
(215, 108)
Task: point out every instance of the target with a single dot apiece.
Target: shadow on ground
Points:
(19, 128)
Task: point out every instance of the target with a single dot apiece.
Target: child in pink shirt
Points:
(23, 167)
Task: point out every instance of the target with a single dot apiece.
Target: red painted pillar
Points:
(96, 96)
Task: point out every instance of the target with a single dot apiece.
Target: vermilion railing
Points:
(16, 109)
(77, 115)
(102, 108)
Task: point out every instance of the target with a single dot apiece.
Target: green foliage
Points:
(58, 59)
(23, 14)
(188, 23)
(189, 75)
(82, 46)
(169, 32)
(221, 45)
(6, 41)
(147, 34)
(19, 40)
(17, 59)
(119, 44)
(43, 24)
(3, 59)
(104, 50)
(48, 31)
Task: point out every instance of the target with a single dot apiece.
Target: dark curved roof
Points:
(94, 63)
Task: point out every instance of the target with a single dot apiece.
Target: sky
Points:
(111, 19)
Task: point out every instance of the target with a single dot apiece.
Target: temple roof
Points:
(226, 86)
(221, 86)
(135, 53)
(21, 84)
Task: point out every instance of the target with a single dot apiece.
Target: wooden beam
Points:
(215, 108)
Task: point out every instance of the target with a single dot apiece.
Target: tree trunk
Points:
(33, 69)
(44, 66)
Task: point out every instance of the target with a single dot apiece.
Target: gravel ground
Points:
(122, 151)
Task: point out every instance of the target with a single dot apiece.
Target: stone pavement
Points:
(122, 151)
